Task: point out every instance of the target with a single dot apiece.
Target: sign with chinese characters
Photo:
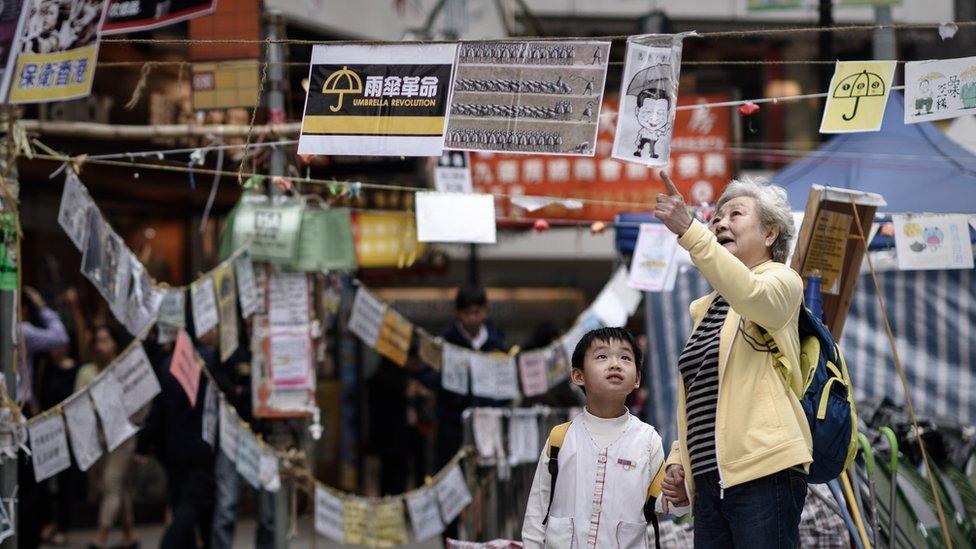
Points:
(939, 89)
(381, 100)
(58, 48)
(140, 15)
(701, 166)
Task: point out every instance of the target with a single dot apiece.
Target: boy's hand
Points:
(673, 487)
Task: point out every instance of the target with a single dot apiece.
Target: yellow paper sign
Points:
(857, 96)
(391, 527)
(225, 84)
(356, 514)
(827, 248)
(394, 338)
(43, 77)
(430, 350)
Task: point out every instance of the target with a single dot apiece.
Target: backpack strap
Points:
(555, 442)
(778, 357)
(653, 492)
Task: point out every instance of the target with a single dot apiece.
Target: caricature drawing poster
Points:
(648, 96)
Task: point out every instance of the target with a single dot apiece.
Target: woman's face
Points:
(737, 227)
(104, 346)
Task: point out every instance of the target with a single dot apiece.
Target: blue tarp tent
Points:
(914, 166)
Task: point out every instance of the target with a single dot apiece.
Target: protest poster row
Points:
(490, 375)
(382, 522)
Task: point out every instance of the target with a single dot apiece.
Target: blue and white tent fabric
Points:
(932, 315)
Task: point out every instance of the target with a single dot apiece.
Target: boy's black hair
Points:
(606, 335)
(652, 93)
(468, 296)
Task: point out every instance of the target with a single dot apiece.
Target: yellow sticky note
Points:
(857, 96)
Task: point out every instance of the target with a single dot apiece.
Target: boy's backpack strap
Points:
(654, 492)
(555, 442)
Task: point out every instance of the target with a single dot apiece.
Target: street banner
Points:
(385, 100)
(528, 97)
(57, 50)
(141, 15)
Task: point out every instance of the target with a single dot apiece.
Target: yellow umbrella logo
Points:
(341, 82)
(858, 85)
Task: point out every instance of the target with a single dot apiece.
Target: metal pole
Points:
(275, 98)
(8, 300)
(884, 39)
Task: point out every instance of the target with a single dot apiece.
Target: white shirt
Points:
(606, 466)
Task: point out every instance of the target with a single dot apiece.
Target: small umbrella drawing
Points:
(932, 76)
(653, 77)
(858, 85)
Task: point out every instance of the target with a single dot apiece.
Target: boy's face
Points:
(609, 369)
(472, 317)
(653, 113)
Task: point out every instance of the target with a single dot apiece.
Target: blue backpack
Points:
(827, 399)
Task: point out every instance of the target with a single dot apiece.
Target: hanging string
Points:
(254, 111)
(719, 34)
(140, 86)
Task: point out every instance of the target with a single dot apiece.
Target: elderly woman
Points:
(743, 445)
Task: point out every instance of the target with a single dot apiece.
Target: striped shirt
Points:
(698, 364)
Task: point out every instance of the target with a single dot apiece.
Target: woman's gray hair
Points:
(772, 207)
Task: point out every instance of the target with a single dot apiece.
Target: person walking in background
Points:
(173, 431)
(57, 371)
(113, 483)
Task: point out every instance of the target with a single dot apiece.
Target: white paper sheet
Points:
(288, 299)
(329, 515)
(493, 376)
(366, 317)
(248, 457)
(247, 292)
(228, 430)
(938, 89)
(49, 446)
(654, 258)
(106, 393)
(83, 430)
(532, 371)
(523, 437)
(289, 356)
(72, 213)
(424, 514)
(453, 494)
(455, 366)
(487, 426)
(135, 375)
(172, 314)
(204, 301)
(208, 427)
(932, 241)
(453, 217)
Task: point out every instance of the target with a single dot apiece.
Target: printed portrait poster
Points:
(140, 15)
(57, 50)
(857, 96)
(12, 18)
(939, 89)
(528, 97)
(227, 309)
(381, 100)
(648, 97)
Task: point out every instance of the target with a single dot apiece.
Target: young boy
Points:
(608, 464)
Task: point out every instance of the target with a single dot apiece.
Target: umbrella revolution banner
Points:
(377, 100)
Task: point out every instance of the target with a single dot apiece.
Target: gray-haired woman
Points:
(743, 445)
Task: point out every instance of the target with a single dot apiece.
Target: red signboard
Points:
(700, 166)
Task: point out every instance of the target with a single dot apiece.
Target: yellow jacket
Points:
(760, 427)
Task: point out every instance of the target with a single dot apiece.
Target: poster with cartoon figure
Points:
(648, 96)
(940, 89)
(930, 241)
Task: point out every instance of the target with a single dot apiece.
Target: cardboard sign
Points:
(377, 100)
(185, 366)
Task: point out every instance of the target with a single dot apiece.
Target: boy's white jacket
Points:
(600, 492)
